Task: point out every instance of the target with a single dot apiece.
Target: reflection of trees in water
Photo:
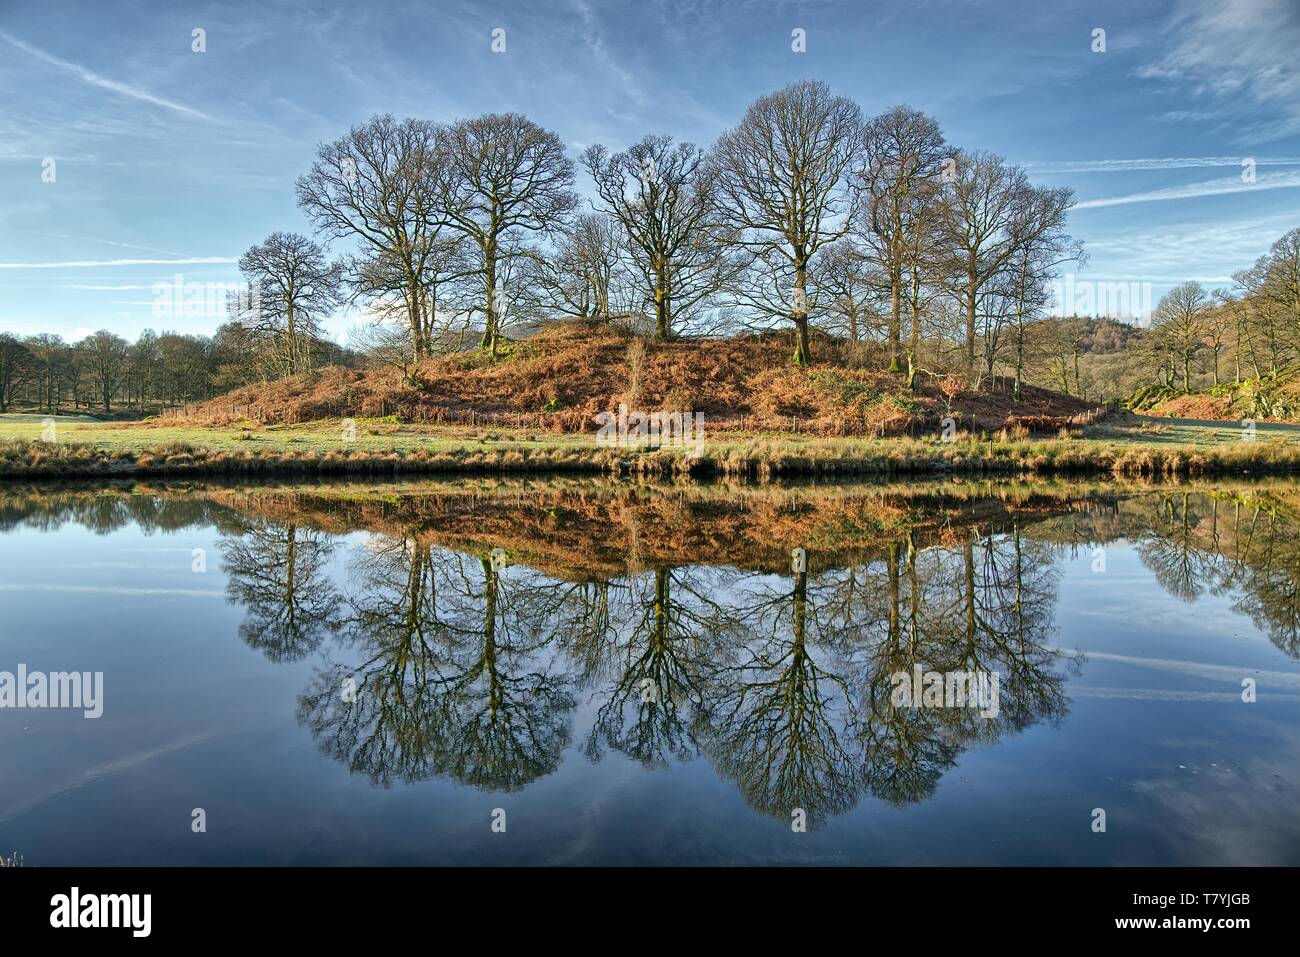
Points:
(1173, 549)
(279, 574)
(777, 721)
(1242, 541)
(466, 671)
(460, 669)
(806, 719)
(1196, 543)
(454, 675)
(648, 665)
(1261, 566)
(103, 511)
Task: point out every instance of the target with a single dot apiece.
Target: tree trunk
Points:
(914, 342)
(292, 332)
(895, 322)
(970, 322)
(663, 310)
(490, 320)
(414, 317)
(1020, 363)
(803, 349)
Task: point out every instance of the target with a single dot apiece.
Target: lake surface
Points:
(582, 672)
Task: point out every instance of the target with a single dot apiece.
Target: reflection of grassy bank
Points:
(1228, 536)
(595, 533)
(383, 449)
(580, 528)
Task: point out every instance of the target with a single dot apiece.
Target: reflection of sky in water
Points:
(1155, 731)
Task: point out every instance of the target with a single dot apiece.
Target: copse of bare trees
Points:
(1271, 312)
(804, 216)
(1194, 339)
(16, 368)
(804, 213)
(1256, 325)
(103, 373)
(105, 359)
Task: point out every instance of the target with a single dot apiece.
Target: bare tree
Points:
(1053, 346)
(1219, 327)
(586, 272)
(783, 187)
(380, 280)
(661, 195)
(382, 183)
(105, 359)
(850, 285)
(982, 194)
(1265, 327)
(292, 285)
(1278, 284)
(923, 265)
(50, 363)
(508, 177)
(1041, 248)
(1177, 322)
(16, 367)
(903, 154)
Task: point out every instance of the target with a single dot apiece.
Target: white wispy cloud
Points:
(595, 41)
(1166, 694)
(103, 82)
(97, 263)
(108, 590)
(126, 287)
(1210, 187)
(1154, 163)
(1161, 280)
(1200, 669)
(1165, 249)
(113, 242)
(1238, 54)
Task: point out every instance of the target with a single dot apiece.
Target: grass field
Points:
(1200, 433)
(321, 437)
(1132, 445)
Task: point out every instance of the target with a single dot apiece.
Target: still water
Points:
(592, 673)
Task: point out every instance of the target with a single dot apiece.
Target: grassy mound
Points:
(562, 377)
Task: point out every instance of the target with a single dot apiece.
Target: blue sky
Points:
(169, 162)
